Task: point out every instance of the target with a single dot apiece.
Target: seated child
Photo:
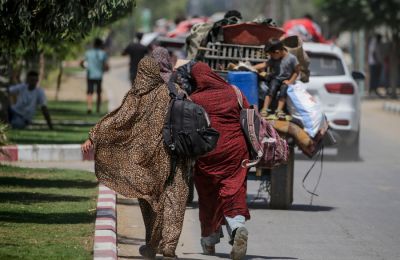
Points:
(285, 69)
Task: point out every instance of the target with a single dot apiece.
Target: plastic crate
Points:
(219, 55)
(247, 82)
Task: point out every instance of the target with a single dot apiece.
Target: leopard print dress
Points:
(131, 159)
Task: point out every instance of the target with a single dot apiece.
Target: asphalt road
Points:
(355, 216)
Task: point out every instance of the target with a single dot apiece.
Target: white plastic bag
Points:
(306, 108)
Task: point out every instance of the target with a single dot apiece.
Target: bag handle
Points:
(238, 95)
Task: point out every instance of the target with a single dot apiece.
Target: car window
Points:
(325, 65)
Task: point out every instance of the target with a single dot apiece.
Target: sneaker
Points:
(239, 247)
(207, 250)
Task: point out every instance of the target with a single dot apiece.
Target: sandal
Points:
(265, 112)
(207, 250)
(281, 115)
(147, 252)
(272, 117)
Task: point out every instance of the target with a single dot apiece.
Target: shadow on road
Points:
(130, 240)
(310, 208)
(126, 201)
(227, 256)
(157, 258)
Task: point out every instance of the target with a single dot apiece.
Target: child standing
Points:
(285, 69)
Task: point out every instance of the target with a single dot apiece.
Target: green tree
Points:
(29, 27)
(368, 14)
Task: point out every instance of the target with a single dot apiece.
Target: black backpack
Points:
(187, 132)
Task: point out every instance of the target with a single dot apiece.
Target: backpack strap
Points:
(238, 95)
(171, 87)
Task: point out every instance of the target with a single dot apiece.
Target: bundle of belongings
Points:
(308, 124)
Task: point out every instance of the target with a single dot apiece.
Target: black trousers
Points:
(275, 85)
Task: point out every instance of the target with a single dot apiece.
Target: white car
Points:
(336, 88)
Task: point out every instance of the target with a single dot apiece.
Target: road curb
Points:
(44, 152)
(105, 237)
(393, 107)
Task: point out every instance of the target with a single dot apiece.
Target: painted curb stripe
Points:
(11, 153)
(105, 237)
(45, 152)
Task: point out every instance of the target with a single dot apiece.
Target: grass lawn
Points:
(62, 113)
(46, 213)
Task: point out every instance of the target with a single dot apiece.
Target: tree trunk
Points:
(42, 64)
(59, 77)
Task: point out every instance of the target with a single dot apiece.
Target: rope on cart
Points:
(321, 156)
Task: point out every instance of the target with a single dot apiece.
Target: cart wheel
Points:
(281, 195)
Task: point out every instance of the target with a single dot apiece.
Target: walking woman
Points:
(131, 159)
(219, 177)
(161, 55)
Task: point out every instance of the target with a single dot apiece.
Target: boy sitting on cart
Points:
(285, 68)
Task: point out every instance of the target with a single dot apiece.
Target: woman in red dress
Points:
(219, 177)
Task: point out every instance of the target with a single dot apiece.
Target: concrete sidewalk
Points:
(392, 106)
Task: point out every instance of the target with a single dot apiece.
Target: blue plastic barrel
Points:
(247, 82)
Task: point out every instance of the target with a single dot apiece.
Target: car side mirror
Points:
(357, 75)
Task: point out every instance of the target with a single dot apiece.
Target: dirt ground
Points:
(73, 87)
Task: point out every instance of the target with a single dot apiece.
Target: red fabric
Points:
(219, 178)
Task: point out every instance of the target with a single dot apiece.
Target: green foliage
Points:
(163, 9)
(37, 25)
(358, 14)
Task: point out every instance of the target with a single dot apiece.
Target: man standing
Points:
(28, 97)
(96, 64)
(136, 52)
(375, 61)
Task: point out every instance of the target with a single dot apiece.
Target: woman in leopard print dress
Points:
(131, 159)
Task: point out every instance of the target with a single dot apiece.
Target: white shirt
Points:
(27, 100)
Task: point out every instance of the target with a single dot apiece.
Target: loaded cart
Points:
(242, 47)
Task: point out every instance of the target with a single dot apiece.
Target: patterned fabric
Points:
(161, 55)
(131, 159)
(219, 178)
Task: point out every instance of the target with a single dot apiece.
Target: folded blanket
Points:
(309, 146)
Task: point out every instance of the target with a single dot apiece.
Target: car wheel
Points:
(350, 151)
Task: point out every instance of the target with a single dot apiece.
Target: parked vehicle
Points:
(336, 88)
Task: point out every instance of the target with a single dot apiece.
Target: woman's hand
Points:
(87, 146)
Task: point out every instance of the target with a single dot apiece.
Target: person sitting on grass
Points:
(285, 69)
(28, 96)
